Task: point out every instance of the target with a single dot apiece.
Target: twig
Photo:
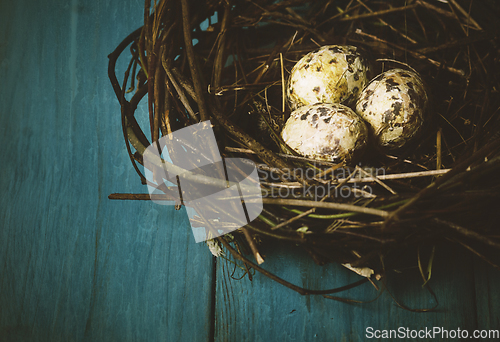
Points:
(165, 126)
(293, 219)
(457, 43)
(435, 8)
(219, 57)
(438, 148)
(283, 282)
(193, 65)
(283, 155)
(467, 15)
(468, 233)
(113, 56)
(383, 22)
(252, 245)
(377, 180)
(331, 169)
(326, 205)
(488, 260)
(140, 197)
(179, 91)
(413, 53)
(283, 87)
(379, 13)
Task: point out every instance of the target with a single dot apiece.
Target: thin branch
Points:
(326, 205)
(468, 233)
(413, 53)
(378, 13)
(283, 282)
(193, 65)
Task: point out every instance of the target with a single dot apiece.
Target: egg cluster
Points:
(321, 87)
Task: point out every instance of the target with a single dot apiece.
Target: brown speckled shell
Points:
(393, 105)
(324, 131)
(331, 74)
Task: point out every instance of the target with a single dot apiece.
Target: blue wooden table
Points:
(77, 266)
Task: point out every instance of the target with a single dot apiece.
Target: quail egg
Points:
(331, 74)
(393, 105)
(325, 131)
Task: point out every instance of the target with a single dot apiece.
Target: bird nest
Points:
(228, 62)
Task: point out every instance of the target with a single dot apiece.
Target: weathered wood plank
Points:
(75, 265)
(487, 292)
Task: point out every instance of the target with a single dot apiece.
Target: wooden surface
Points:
(77, 266)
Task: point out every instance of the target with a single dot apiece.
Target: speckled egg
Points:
(331, 74)
(393, 105)
(324, 131)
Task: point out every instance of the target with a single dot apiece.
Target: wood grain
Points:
(75, 265)
(261, 310)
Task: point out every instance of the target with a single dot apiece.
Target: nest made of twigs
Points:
(228, 61)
